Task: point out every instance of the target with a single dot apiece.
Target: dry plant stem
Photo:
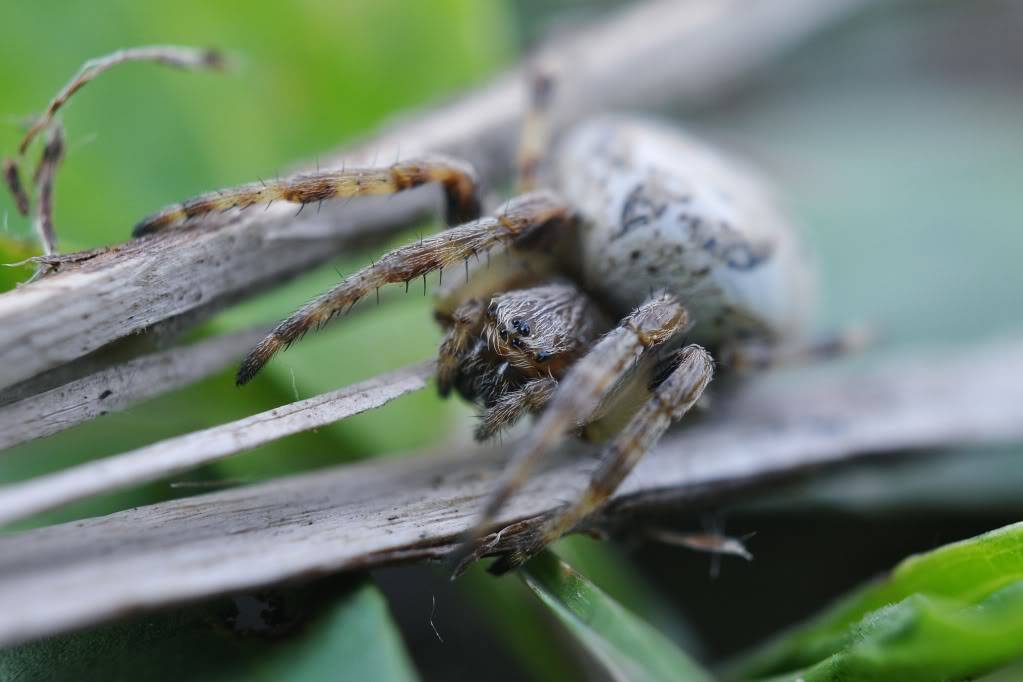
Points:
(169, 55)
(394, 510)
(652, 54)
(43, 179)
(119, 387)
(182, 453)
(713, 543)
(12, 178)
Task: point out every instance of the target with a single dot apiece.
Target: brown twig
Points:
(169, 55)
(12, 178)
(43, 179)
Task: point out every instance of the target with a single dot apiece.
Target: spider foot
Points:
(513, 545)
(523, 548)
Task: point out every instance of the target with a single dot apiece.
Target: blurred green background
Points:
(896, 139)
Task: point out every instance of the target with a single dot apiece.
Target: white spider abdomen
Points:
(664, 211)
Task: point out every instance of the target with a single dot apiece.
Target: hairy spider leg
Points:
(523, 265)
(457, 178)
(518, 219)
(534, 139)
(465, 326)
(577, 398)
(512, 406)
(671, 399)
(752, 356)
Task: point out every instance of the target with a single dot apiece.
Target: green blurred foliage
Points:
(335, 629)
(626, 646)
(924, 638)
(948, 614)
(13, 253)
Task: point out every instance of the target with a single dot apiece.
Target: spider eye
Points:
(520, 326)
(503, 333)
(516, 343)
(542, 356)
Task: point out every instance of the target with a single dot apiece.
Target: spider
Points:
(633, 251)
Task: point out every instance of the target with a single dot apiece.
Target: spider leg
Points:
(757, 356)
(534, 139)
(579, 397)
(520, 218)
(465, 325)
(512, 406)
(459, 181)
(516, 268)
(671, 399)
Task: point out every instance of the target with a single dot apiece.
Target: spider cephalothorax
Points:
(631, 237)
(508, 354)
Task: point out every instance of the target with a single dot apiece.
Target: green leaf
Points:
(521, 624)
(608, 567)
(926, 638)
(327, 630)
(15, 251)
(526, 628)
(625, 645)
(963, 573)
(1010, 673)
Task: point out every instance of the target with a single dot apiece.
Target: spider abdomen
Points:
(661, 210)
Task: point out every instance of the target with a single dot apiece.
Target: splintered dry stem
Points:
(169, 55)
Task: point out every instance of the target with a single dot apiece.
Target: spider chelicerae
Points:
(633, 252)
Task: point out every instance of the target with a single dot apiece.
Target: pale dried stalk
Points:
(386, 511)
(652, 54)
(119, 387)
(191, 450)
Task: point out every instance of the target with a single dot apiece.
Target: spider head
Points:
(542, 330)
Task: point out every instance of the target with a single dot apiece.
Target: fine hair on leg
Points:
(671, 399)
(578, 397)
(457, 178)
(518, 219)
(512, 406)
